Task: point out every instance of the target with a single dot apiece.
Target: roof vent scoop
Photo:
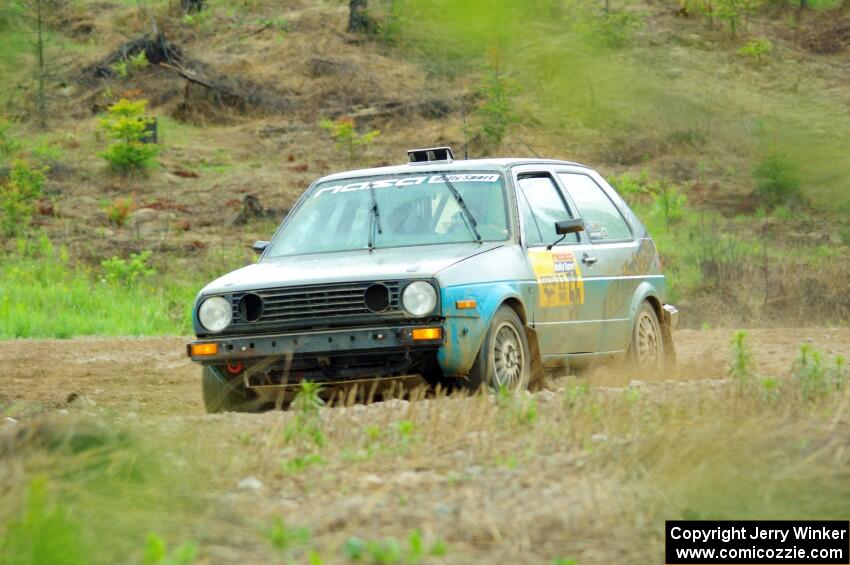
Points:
(431, 155)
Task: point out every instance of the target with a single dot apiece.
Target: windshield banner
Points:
(407, 181)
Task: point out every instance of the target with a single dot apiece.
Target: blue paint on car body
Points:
(466, 329)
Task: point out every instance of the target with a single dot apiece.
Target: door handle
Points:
(588, 259)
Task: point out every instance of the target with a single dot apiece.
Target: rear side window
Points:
(603, 221)
(542, 205)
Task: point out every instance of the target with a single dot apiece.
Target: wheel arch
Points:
(646, 292)
(466, 330)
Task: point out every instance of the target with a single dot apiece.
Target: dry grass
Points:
(584, 472)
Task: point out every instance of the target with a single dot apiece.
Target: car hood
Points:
(381, 264)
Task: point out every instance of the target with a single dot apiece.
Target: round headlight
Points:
(419, 298)
(215, 313)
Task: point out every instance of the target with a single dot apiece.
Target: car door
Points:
(567, 313)
(614, 247)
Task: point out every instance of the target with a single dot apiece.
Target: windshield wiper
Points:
(468, 218)
(374, 218)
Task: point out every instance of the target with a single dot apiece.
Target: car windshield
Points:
(395, 211)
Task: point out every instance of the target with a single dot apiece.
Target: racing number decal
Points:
(559, 277)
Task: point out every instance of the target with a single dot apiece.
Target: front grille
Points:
(314, 306)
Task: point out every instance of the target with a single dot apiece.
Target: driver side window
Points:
(541, 205)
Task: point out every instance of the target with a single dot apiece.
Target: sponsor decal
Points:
(406, 181)
(559, 277)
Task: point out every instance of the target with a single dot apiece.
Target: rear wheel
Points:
(222, 394)
(504, 360)
(647, 348)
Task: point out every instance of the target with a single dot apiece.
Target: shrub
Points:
(119, 210)
(733, 12)
(127, 272)
(18, 197)
(756, 48)
(129, 66)
(612, 29)
(777, 181)
(816, 379)
(668, 203)
(344, 132)
(9, 146)
(127, 124)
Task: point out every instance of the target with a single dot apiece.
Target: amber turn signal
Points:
(427, 333)
(466, 304)
(199, 349)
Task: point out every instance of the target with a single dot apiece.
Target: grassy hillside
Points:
(663, 99)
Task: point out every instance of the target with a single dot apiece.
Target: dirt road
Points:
(152, 376)
(568, 475)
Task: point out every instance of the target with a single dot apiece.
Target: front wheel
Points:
(647, 347)
(504, 360)
(222, 394)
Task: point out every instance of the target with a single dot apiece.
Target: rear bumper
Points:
(318, 343)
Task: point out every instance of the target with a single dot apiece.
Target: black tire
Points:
(646, 352)
(222, 394)
(505, 357)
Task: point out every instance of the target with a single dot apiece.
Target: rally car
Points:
(473, 273)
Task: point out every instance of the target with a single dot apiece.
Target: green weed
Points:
(156, 552)
(286, 539)
(770, 389)
(391, 551)
(573, 393)
(521, 407)
(814, 377)
(298, 464)
(741, 363)
(307, 422)
(128, 272)
(45, 534)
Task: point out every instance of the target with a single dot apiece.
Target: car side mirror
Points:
(566, 227)
(569, 226)
(259, 247)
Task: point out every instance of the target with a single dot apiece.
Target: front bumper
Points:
(317, 343)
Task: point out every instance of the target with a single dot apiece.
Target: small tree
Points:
(344, 131)
(127, 124)
(18, 197)
(496, 113)
(358, 17)
(733, 12)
